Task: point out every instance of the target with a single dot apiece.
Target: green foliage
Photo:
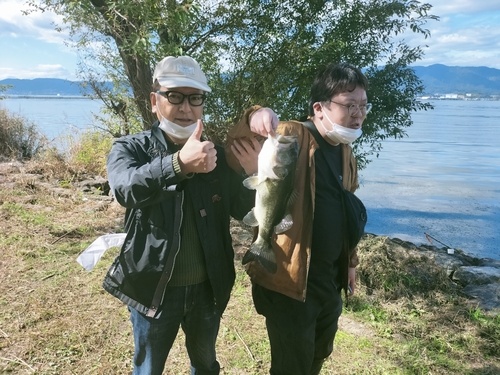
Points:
(4, 88)
(120, 114)
(477, 315)
(253, 52)
(80, 155)
(19, 138)
(488, 326)
(89, 153)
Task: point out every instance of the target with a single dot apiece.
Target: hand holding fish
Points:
(247, 154)
(264, 121)
(197, 156)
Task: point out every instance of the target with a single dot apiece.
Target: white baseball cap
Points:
(182, 71)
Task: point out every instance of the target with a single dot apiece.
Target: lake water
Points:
(56, 116)
(443, 179)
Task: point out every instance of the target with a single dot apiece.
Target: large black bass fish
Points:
(274, 185)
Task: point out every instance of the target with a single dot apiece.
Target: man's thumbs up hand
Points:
(197, 156)
(197, 132)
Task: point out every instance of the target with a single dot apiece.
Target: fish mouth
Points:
(285, 138)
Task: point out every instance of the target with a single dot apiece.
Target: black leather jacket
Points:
(142, 178)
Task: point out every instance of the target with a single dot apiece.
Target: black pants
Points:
(301, 334)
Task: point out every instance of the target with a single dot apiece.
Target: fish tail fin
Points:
(261, 252)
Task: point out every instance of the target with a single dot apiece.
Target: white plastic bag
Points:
(91, 255)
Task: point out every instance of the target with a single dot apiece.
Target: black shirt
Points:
(327, 225)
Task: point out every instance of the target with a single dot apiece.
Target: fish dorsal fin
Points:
(292, 198)
(251, 182)
(250, 219)
(285, 224)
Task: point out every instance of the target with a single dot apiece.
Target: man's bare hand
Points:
(197, 156)
(264, 121)
(247, 154)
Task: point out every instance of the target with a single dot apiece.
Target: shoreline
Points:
(443, 250)
(478, 278)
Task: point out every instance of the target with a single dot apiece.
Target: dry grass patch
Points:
(55, 318)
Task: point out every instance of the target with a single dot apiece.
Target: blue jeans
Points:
(191, 307)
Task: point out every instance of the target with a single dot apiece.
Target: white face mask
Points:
(339, 133)
(174, 130)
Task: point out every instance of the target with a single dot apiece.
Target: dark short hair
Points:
(335, 79)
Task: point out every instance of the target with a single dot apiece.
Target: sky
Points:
(467, 34)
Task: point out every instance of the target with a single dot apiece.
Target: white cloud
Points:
(39, 71)
(446, 7)
(471, 46)
(467, 34)
(36, 25)
(33, 48)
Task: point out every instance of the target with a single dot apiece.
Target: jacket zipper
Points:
(153, 309)
(181, 213)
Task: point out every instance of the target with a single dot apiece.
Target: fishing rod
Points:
(428, 236)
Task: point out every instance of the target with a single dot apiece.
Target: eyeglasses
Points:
(175, 97)
(354, 109)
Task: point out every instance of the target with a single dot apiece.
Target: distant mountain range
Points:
(442, 79)
(437, 79)
(42, 86)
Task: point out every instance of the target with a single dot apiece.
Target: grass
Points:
(55, 318)
(19, 138)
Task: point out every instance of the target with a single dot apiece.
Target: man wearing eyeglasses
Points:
(176, 265)
(302, 300)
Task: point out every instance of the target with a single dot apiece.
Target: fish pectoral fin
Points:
(285, 224)
(251, 182)
(250, 219)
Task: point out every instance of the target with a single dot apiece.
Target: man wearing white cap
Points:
(176, 265)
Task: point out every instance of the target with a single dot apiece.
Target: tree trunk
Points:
(141, 78)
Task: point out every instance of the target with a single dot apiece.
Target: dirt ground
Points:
(55, 317)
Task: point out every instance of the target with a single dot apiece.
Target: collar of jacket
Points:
(162, 138)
